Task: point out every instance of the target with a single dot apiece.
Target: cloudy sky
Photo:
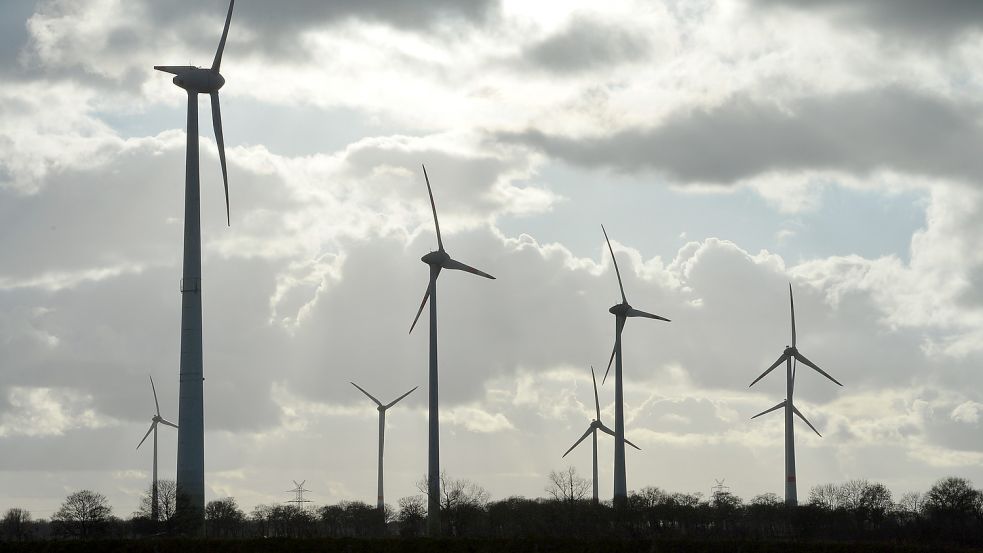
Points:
(729, 146)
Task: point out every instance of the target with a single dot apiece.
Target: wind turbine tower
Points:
(592, 429)
(381, 501)
(154, 506)
(790, 356)
(621, 312)
(436, 260)
(191, 434)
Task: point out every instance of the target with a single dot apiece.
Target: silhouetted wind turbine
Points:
(436, 260)
(621, 312)
(191, 436)
(789, 357)
(154, 511)
(592, 429)
(381, 504)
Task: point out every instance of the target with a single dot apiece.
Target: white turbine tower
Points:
(592, 429)
(154, 511)
(621, 312)
(191, 436)
(381, 502)
(436, 260)
(790, 356)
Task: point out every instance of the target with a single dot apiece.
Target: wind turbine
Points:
(790, 356)
(592, 429)
(154, 510)
(621, 313)
(382, 434)
(191, 436)
(436, 260)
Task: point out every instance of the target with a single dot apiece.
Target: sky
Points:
(730, 147)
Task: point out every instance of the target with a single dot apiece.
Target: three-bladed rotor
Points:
(378, 403)
(791, 352)
(596, 424)
(622, 310)
(208, 80)
(439, 259)
(157, 419)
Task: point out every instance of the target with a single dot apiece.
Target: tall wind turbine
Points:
(790, 356)
(592, 429)
(621, 313)
(191, 436)
(436, 260)
(381, 504)
(154, 511)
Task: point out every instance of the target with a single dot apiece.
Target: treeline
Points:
(951, 511)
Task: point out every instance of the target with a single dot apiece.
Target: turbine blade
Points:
(636, 313)
(458, 266)
(173, 69)
(605, 429)
(611, 433)
(582, 438)
(168, 423)
(155, 395)
(395, 401)
(433, 206)
(152, 425)
(217, 64)
(377, 402)
(766, 411)
(426, 296)
(780, 360)
(597, 403)
(805, 420)
(220, 140)
(616, 271)
(617, 342)
(791, 303)
(813, 366)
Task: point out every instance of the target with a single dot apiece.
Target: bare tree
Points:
(457, 492)
(412, 515)
(166, 501)
(461, 501)
(565, 485)
(83, 514)
(16, 524)
(223, 518)
(825, 496)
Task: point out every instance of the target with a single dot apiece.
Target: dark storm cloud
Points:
(858, 132)
(917, 19)
(585, 45)
(278, 26)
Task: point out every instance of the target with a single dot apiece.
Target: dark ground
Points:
(464, 546)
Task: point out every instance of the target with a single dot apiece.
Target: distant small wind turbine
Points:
(592, 429)
(381, 504)
(789, 357)
(154, 510)
(436, 260)
(191, 436)
(621, 312)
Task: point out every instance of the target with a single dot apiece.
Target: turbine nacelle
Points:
(201, 80)
(437, 258)
(621, 310)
